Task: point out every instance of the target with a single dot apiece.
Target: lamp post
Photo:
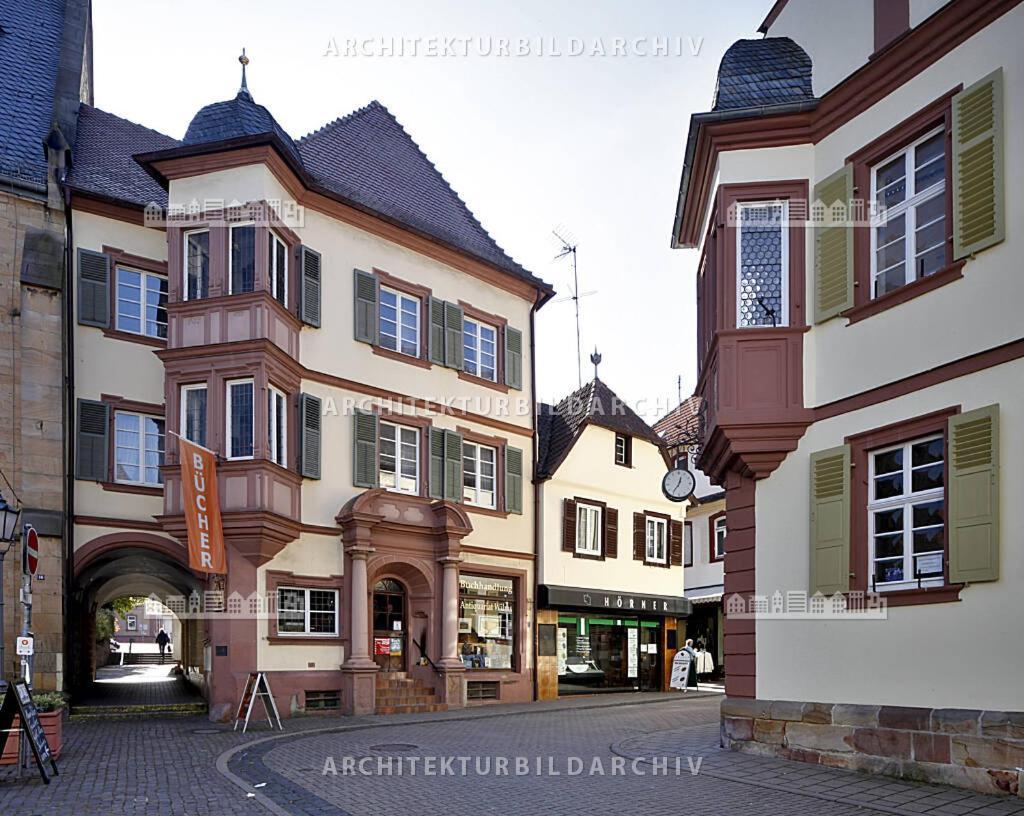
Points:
(9, 517)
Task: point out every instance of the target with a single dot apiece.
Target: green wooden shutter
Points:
(309, 286)
(92, 447)
(93, 288)
(452, 466)
(435, 480)
(513, 480)
(830, 520)
(364, 449)
(972, 518)
(435, 339)
(978, 172)
(453, 336)
(366, 307)
(513, 357)
(309, 436)
(833, 245)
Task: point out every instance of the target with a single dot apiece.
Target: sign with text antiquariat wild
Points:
(202, 507)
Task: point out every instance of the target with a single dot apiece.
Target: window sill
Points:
(473, 378)
(304, 640)
(945, 275)
(139, 489)
(404, 358)
(131, 337)
(588, 555)
(919, 597)
(484, 511)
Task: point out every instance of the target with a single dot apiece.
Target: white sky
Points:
(591, 144)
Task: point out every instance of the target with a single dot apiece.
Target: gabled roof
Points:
(102, 158)
(769, 71)
(30, 44)
(681, 425)
(560, 426)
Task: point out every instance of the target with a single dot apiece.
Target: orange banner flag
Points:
(202, 507)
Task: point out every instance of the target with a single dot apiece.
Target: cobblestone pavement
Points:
(138, 685)
(177, 766)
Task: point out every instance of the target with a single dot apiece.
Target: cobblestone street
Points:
(192, 767)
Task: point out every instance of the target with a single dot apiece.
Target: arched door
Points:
(389, 625)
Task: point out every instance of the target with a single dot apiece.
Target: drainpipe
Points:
(70, 643)
(538, 511)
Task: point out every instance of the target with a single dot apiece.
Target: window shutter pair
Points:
(513, 358)
(367, 294)
(309, 287)
(675, 543)
(309, 436)
(513, 480)
(444, 341)
(611, 533)
(639, 537)
(569, 525)
(972, 514)
(364, 448)
(445, 478)
(833, 245)
(92, 445)
(978, 175)
(93, 288)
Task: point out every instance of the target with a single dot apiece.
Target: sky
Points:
(534, 136)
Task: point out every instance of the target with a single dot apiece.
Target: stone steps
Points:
(128, 712)
(399, 694)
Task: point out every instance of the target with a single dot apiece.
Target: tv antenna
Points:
(569, 249)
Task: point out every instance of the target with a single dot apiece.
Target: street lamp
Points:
(9, 517)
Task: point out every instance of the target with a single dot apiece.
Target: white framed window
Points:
(907, 514)
(479, 349)
(239, 419)
(623, 449)
(908, 232)
(305, 611)
(192, 422)
(721, 531)
(588, 529)
(197, 264)
(478, 475)
(138, 448)
(141, 303)
(277, 426)
(657, 537)
(399, 458)
(131, 623)
(399, 322)
(688, 544)
(278, 262)
(762, 263)
(241, 258)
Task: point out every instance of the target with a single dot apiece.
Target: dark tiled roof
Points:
(769, 71)
(681, 425)
(30, 44)
(234, 119)
(102, 158)
(559, 426)
(367, 157)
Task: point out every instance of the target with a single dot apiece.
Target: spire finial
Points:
(244, 90)
(595, 358)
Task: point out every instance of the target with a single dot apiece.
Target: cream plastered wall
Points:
(106, 365)
(964, 654)
(704, 571)
(838, 36)
(589, 471)
(332, 348)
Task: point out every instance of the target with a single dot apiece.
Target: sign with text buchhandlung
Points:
(202, 508)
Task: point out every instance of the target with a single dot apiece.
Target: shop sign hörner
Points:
(624, 602)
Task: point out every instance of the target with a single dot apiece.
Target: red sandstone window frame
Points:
(499, 444)
(276, 579)
(138, 263)
(518, 614)
(861, 446)
(118, 403)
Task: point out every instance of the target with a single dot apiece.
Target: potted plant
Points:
(50, 705)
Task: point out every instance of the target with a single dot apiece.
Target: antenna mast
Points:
(570, 249)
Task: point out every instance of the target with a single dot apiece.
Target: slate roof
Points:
(681, 425)
(30, 45)
(102, 161)
(756, 73)
(559, 426)
(233, 119)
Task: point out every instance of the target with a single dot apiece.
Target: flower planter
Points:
(52, 722)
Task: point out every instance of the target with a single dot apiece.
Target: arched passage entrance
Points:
(124, 564)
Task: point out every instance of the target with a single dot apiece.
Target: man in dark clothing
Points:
(162, 639)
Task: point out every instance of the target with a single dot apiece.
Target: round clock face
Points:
(678, 484)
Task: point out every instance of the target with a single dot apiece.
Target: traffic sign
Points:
(26, 646)
(31, 549)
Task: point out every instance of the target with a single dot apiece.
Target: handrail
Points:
(424, 654)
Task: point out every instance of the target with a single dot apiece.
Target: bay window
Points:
(141, 303)
(242, 258)
(193, 413)
(478, 474)
(479, 349)
(399, 456)
(239, 416)
(277, 254)
(197, 264)
(762, 263)
(138, 448)
(277, 427)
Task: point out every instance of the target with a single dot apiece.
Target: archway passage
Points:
(127, 678)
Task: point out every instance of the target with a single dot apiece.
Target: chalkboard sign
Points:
(18, 702)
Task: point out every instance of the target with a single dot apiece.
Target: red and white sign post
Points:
(31, 550)
(30, 563)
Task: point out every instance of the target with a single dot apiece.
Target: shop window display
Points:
(486, 622)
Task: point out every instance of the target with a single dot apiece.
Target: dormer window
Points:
(278, 262)
(242, 259)
(197, 264)
(762, 264)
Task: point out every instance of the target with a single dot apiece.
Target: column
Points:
(359, 629)
(450, 611)
(359, 672)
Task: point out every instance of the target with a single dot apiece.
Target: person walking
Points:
(691, 678)
(162, 639)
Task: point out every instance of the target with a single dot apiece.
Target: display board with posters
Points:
(682, 665)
